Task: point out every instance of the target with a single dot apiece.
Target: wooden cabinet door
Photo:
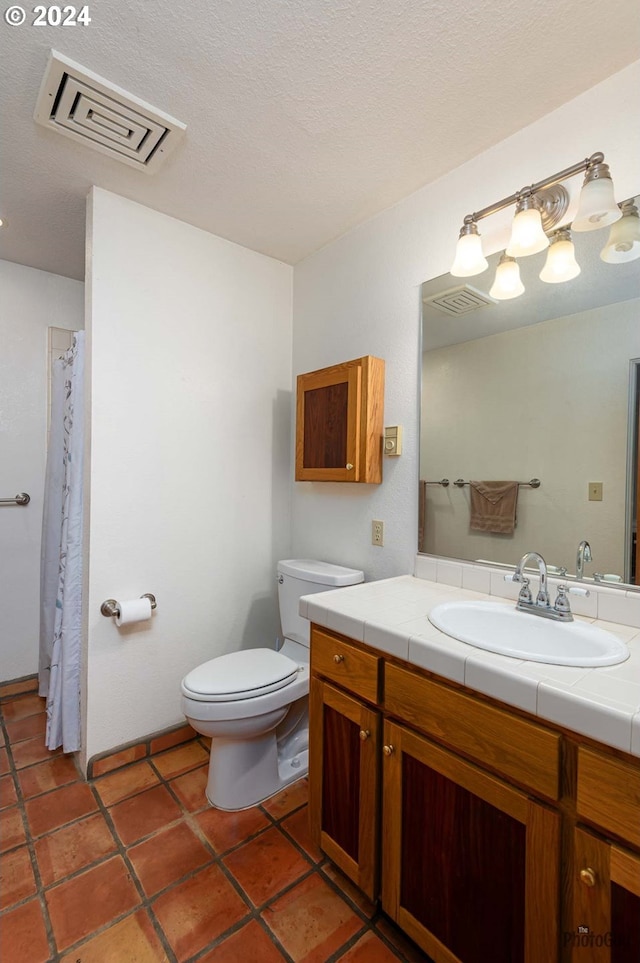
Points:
(470, 866)
(328, 424)
(344, 782)
(606, 902)
(339, 422)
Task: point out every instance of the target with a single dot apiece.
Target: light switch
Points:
(393, 440)
(595, 491)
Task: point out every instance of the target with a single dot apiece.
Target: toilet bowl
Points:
(253, 703)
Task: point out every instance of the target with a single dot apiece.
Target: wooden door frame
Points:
(632, 499)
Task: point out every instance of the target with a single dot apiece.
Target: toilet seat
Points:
(240, 675)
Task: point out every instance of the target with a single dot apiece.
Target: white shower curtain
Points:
(61, 561)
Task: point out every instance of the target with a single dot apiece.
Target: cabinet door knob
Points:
(364, 735)
(338, 658)
(588, 876)
(388, 750)
(348, 466)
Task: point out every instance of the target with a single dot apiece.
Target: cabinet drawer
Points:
(350, 667)
(520, 750)
(609, 793)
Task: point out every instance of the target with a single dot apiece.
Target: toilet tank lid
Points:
(323, 573)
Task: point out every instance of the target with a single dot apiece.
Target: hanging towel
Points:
(422, 512)
(493, 506)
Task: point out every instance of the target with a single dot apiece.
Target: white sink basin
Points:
(500, 628)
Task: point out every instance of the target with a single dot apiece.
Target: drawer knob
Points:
(338, 659)
(388, 750)
(588, 876)
(348, 466)
(364, 735)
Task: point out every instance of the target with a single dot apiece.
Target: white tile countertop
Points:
(392, 616)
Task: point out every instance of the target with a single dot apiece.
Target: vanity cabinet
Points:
(605, 922)
(344, 758)
(487, 835)
(339, 422)
(345, 787)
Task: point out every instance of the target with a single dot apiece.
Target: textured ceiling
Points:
(303, 118)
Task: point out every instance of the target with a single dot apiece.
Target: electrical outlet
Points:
(377, 533)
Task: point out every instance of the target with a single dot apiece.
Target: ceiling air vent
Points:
(460, 300)
(94, 112)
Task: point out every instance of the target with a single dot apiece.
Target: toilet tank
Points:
(305, 576)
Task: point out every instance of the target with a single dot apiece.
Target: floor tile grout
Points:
(189, 817)
(44, 909)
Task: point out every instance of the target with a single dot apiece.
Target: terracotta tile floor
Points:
(136, 866)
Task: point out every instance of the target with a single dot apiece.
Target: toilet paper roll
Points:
(133, 610)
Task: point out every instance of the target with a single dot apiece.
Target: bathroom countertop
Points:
(392, 616)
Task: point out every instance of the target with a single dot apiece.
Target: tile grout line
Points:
(39, 894)
(189, 817)
(254, 913)
(315, 868)
(145, 901)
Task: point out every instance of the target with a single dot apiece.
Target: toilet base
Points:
(243, 775)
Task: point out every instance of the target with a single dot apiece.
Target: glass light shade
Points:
(527, 235)
(507, 283)
(624, 240)
(561, 264)
(469, 259)
(597, 207)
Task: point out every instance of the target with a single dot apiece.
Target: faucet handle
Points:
(525, 591)
(562, 602)
(574, 590)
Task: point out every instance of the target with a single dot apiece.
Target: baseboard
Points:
(14, 687)
(119, 756)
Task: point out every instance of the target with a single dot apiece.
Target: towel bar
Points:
(533, 483)
(20, 499)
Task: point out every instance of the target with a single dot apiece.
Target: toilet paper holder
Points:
(110, 607)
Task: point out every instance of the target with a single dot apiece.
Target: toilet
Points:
(254, 702)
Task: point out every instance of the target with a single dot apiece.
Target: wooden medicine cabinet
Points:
(339, 422)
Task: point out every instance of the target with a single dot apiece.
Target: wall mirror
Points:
(543, 386)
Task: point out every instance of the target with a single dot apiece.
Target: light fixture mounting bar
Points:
(582, 165)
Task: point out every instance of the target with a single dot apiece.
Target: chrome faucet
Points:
(542, 598)
(584, 555)
(561, 610)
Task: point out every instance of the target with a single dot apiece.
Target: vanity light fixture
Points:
(527, 233)
(597, 207)
(540, 208)
(469, 258)
(624, 238)
(507, 283)
(561, 264)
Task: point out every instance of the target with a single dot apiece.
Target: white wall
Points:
(549, 400)
(31, 302)
(361, 295)
(190, 347)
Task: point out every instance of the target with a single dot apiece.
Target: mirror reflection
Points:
(544, 386)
